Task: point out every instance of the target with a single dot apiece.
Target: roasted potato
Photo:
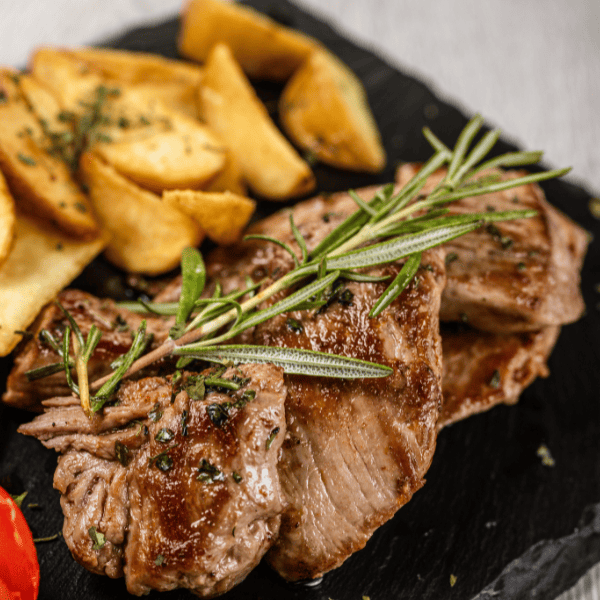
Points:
(221, 215)
(147, 234)
(70, 81)
(152, 144)
(40, 181)
(230, 179)
(7, 220)
(263, 48)
(174, 82)
(272, 168)
(324, 110)
(172, 151)
(40, 264)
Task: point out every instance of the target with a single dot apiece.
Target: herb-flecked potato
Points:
(129, 126)
(324, 110)
(230, 106)
(39, 180)
(174, 82)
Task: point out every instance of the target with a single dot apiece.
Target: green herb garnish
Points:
(272, 437)
(97, 537)
(208, 473)
(28, 160)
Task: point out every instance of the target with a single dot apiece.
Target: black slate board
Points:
(488, 499)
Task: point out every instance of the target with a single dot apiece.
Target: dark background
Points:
(488, 498)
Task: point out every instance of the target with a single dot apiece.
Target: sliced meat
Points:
(197, 502)
(115, 324)
(93, 494)
(216, 511)
(356, 451)
(517, 275)
(482, 370)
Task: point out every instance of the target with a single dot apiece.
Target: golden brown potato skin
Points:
(221, 215)
(40, 264)
(264, 49)
(230, 106)
(324, 110)
(7, 220)
(42, 183)
(147, 234)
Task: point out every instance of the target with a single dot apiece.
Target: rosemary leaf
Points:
(293, 361)
(299, 239)
(267, 238)
(395, 249)
(193, 273)
(397, 286)
(287, 304)
(137, 347)
(46, 371)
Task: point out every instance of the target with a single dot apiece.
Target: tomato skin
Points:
(19, 568)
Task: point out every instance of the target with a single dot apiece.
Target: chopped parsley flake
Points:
(272, 437)
(208, 473)
(97, 537)
(495, 380)
(26, 159)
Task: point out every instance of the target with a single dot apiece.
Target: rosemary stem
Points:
(169, 345)
(82, 378)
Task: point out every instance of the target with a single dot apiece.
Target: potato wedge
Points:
(68, 79)
(42, 183)
(230, 179)
(7, 220)
(174, 82)
(324, 110)
(264, 49)
(173, 152)
(138, 67)
(230, 106)
(147, 234)
(40, 264)
(144, 139)
(221, 215)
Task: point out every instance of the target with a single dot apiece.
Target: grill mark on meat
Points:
(519, 275)
(93, 492)
(472, 359)
(87, 310)
(209, 535)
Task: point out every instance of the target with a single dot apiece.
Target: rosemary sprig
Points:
(389, 227)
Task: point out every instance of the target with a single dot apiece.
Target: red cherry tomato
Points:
(19, 568)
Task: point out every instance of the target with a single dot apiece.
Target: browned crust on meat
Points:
(482, 370)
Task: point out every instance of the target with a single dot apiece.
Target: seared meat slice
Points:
(190, 496)
(356, 451)
(94, 494)
(115, 324)
(517, 275)
(485, 369)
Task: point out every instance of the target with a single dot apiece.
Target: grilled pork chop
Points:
(512, 276)
(482, 370)
(185, 490)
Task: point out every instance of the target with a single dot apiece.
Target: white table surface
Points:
(531, 67)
